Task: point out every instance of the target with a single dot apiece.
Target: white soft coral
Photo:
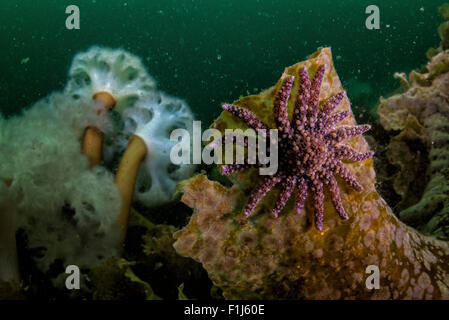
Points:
(113, 70)
(48, 173)
(153, 119)
(140, 109)
(66, 208)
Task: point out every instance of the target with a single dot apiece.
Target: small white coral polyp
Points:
(112, 70)
(153, 119)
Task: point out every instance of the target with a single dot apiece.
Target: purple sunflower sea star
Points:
(309, 146)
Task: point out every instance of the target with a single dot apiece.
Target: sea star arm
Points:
(314, 100)
(344, 152)
(287, 187)
(346, 132)
(280, 107)
(318, 203)
(302, 99)
(326, 124)
(301, 196)
(315, 87)
(331, 104)
(335, 196)
(267, 184)
(346, 175)
(247, 116)
(230, 139)
(228, 169)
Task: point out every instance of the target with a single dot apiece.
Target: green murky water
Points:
(209, 52)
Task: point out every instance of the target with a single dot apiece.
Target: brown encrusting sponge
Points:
(263, 257)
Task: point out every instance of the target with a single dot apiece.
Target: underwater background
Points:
(60, 206)
(210, 52)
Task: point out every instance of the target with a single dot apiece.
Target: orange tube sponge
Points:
(93, 137)
(146, 165)
(153, 119)
(125, 179)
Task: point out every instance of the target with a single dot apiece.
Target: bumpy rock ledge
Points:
(263, 257)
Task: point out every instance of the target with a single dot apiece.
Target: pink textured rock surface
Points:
(262, 257)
